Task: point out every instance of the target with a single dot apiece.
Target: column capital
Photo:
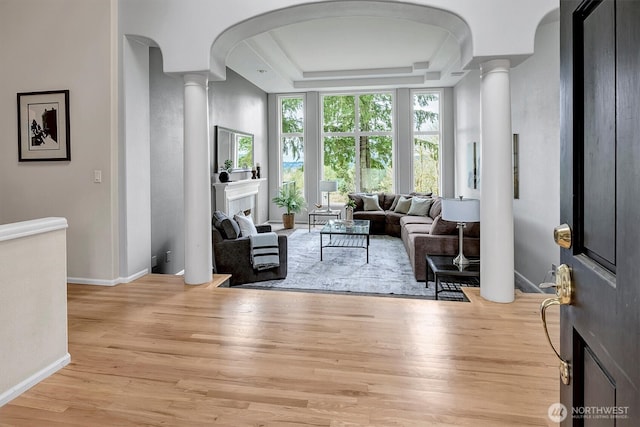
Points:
(495, 65)
(192, 79)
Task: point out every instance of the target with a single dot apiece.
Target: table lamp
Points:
(328, 187)
(461, 211)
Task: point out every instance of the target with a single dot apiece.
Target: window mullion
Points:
(356, 141)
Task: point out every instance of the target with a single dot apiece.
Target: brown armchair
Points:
(233, 256)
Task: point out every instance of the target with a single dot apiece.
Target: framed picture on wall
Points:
(516, 166)
(43, 126)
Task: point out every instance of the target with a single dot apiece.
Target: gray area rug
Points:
(345, 270)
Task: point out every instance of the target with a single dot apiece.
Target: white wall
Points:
(467, 129)
(64, 44)
(535, 110)
(135, 163)
(238, 104)
(33, 303)
(535, 98)
(234, 103)
(448, 154)
(166, 95)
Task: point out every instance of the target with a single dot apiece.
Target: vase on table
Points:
(349, 214)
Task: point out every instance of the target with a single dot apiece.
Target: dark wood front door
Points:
(600, 201)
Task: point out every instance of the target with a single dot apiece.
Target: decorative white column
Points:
(496, 184)
(197, 182)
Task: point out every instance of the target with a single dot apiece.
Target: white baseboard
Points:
(34, 379)
(99, 282)
(134, 276)
(525, 284)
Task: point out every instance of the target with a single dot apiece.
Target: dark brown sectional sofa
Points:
(421, 235)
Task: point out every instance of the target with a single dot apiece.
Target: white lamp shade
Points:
(328, 185)
(461, 210)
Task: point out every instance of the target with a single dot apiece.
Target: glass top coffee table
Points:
(345, 234)
(324, 214)
(448, 277)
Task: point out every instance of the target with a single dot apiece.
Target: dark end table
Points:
(442, 266)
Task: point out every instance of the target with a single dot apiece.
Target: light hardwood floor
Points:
(156, 352)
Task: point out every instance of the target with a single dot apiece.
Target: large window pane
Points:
(358, 142)
(339, 113)
(426, 112)
(340, 165)
(376, 112)
(292, 115)
(293, 161)
(426, 141)
(426, 163)
(376, 163)
(292, 140)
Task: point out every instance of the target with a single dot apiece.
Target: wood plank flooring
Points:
(158, 353)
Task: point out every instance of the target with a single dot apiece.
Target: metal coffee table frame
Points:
(313, 221)
(341, 235)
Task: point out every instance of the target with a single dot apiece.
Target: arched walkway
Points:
(296, 14)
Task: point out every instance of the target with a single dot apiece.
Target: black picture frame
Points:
(516, 166)
(43, 126)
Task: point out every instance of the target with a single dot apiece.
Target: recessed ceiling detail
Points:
(349, 52)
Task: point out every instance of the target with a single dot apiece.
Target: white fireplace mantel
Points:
(235, 196)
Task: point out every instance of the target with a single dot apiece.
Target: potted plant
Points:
(290, 198)
(223, 174)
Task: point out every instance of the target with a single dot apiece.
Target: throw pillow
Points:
(395, 202)
(442, 227)
(247, 228)
(419, 206)
(436, 208)
(403, 205)
(371, 202)
(227, 227)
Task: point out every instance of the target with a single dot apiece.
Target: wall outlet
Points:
(168, 256)
(154, 261)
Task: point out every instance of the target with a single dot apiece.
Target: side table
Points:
(442, 266)
(313, 220)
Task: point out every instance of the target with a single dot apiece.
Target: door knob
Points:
(562, 236)
(564, 292)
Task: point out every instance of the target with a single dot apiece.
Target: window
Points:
(291, 113)
(426, 141)
(357, 136)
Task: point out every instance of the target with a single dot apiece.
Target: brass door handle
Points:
(564, 292)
